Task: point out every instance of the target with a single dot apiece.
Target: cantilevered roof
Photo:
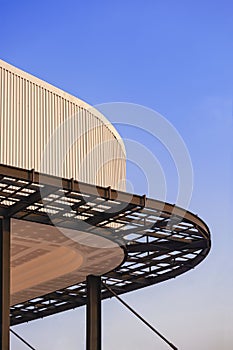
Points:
(148, 241)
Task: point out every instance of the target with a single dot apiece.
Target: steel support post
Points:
(93, 316)
(5, 283)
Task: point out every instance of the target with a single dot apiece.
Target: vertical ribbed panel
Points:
(38, 122)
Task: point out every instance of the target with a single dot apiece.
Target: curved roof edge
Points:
(65, 95)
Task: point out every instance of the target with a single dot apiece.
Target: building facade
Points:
(47, 129)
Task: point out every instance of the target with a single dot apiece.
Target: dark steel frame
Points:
(93, 319)
(160, 240)
(4, 282)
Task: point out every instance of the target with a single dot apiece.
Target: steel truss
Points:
(160, 240)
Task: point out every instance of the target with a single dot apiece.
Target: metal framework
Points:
(4, 282)
(160, 240)
(93, 319)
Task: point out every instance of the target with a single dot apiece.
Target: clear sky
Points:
(175, 57)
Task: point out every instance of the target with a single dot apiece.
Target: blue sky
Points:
(174, 57)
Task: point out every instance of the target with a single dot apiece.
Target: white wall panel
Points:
(34, 114)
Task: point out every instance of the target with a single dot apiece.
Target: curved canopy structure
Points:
(62, 226)
(137, 241)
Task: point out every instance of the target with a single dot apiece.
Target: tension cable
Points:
(140, 317)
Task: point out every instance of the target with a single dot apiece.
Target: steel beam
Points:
(93, 316)
(4, 283)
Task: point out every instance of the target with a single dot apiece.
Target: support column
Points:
(4, 284)
(93, 315)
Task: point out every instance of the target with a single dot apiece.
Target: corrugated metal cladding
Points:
(46, 129)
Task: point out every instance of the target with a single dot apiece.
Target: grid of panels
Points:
(160, 240)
